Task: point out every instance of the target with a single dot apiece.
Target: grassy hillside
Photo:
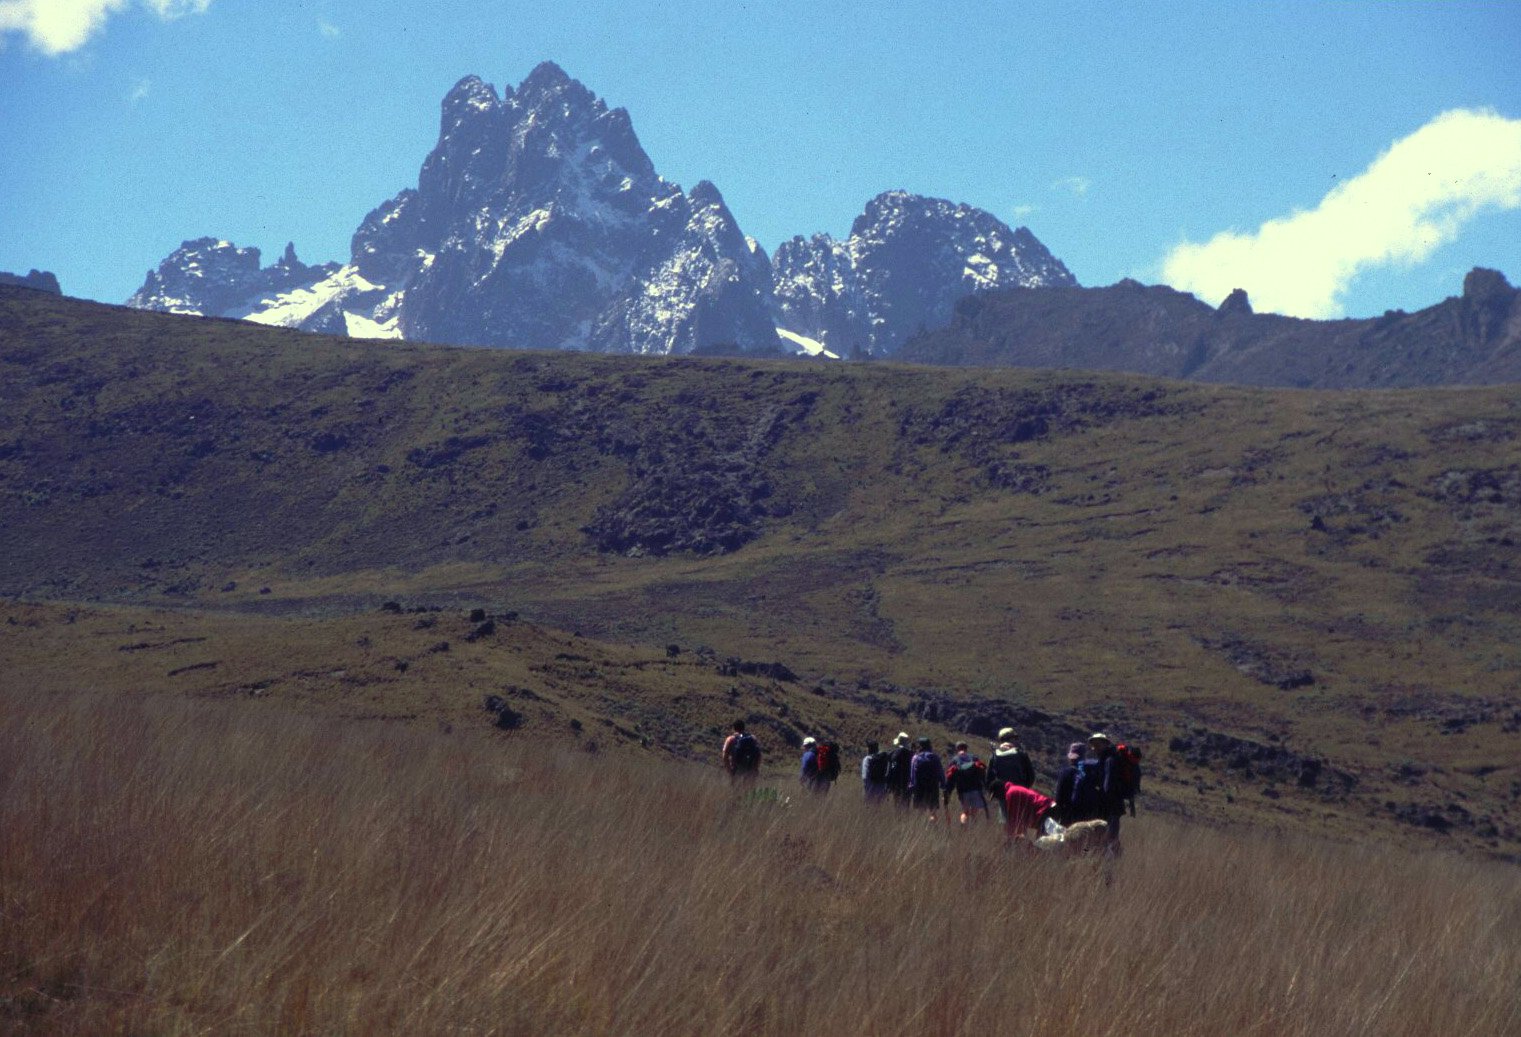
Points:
(368, 879)
(1305, 604)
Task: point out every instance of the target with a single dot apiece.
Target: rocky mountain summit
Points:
(907, 262)
(539, 221)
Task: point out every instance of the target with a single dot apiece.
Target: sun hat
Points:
(1099, 736)
(1005, 734)
(810, 741)
(902, 738)
(1075, 750)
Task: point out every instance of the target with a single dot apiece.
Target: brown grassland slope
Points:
(258, 586)
(174, 867)
(1303, 604)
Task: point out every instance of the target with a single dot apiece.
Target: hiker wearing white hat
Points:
(1010, 764)
(900, 761)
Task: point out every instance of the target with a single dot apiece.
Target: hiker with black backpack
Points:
(1065, 779)
(874, 774)
(966, 778)
(741, 754)
(925, 779)
(1010, 764)
(900, 760)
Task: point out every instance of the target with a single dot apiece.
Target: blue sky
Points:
(1196, 140)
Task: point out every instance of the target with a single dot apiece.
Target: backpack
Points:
(745, 753)
(828, 761)
(1087, 791)
(1013, 767)
(899, 762)
(876, 768)
(926, 774)
(1127, 772)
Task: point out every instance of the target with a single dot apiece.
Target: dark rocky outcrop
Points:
(37, 280)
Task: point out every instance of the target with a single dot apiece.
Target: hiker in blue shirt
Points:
(808, 776)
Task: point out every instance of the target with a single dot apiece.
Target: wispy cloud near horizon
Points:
(57, 27)
(1415, 197)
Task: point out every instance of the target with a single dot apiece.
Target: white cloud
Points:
(1415, 197)
(328, 29)
(58, 26)
(1077, 185)
(140, 90)
(171, 9)
(1021, 211)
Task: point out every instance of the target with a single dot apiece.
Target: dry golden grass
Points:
(174, 867)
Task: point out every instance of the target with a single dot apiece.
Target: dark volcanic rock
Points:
(1473, 339)
(37, 280)
(1236, 303)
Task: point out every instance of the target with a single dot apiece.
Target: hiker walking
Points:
(874, 774)
(1065, 779)
(808, 776)
(1119, 781)
(741, 754)
(924, 779)
(966, 777)
(1010, 763)
(828, 763)
(899, 760)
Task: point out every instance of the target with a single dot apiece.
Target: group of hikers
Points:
(1098, 781)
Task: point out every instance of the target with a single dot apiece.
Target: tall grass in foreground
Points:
(173, 868)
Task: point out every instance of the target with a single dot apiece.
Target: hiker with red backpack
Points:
(820, 765)
(1106, 784)
(966, 777)
(741, 754)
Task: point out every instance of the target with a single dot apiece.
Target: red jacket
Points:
(1024, 808)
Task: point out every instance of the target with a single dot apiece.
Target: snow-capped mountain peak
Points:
(538, 220)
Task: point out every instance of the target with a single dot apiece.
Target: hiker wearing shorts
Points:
(966, 777)
(741, 754)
